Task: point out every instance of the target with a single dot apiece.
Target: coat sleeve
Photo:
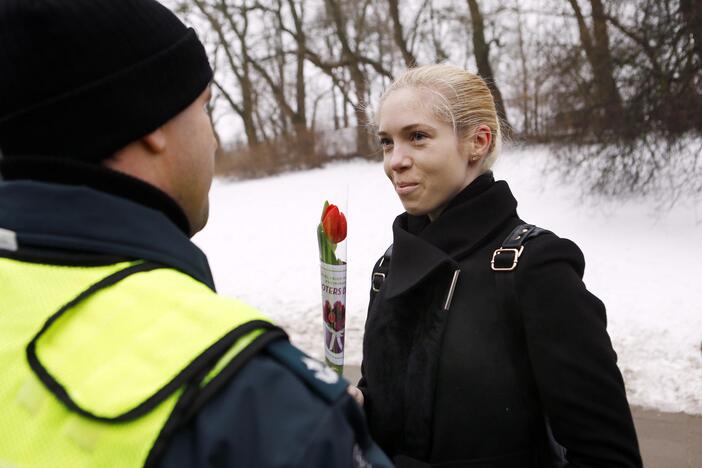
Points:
(267, 417)
(362, 385)
(574, 364)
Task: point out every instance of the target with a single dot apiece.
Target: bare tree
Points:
(596, 45)
(293, 107)
(691, 11)
(636, 118)
(399, 35)
(523, 60)
(481, 50)
(608, 82)
(354, 61)
(220, 17)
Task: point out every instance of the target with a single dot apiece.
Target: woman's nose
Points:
(400, 158)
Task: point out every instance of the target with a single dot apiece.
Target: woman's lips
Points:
(405, 188)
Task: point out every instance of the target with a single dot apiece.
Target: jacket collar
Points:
(80, 218)
(63, 171)
(420, 248)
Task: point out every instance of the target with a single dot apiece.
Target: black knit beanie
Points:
(81, 79)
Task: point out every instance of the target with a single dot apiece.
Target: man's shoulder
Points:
(316, 376)
(276, 411)
(281, 380)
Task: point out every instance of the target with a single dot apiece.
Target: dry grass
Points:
(288, 153)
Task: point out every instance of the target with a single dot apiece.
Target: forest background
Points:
(613, 88)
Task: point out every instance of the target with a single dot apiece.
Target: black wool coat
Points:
(471, 386)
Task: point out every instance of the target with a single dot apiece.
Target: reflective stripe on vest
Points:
(111, 352)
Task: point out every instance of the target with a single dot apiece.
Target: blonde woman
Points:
(468, 362)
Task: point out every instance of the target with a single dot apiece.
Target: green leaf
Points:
(324, 209)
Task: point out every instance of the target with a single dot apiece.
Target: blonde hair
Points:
(463, 100)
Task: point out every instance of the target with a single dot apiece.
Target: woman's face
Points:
(422, 156)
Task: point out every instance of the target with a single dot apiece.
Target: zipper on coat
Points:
(452, 289)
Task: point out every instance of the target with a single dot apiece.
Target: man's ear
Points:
(155, 142)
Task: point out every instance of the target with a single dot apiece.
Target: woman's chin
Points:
(414, 210)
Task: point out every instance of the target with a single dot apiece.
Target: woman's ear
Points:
(155, 142)
(482, 139)
(480, 143)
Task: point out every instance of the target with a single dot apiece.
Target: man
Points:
(114, 348)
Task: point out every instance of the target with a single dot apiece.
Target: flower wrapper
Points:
(331, 235)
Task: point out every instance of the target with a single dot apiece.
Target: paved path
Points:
(667, 440)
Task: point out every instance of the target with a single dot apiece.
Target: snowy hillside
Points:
(644, 266)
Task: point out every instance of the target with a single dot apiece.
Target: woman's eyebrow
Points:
(408, 128)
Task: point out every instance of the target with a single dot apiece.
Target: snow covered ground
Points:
(643, 263)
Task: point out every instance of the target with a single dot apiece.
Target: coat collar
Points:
(420, 247)
(63, 171)
(78, 218)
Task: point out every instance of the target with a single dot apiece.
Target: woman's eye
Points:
(385, 143)
(418, 136)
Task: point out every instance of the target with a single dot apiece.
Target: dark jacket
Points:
(271, 413)
(471, 385)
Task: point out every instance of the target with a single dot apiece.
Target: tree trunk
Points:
(537, 110)
(603, 60)
(247, 104)
(241, 70)
(398, 34)
(481, 51)
(599, 56)
(335, 108)
(525, 74)
(300, 117)
(692, 14)
(357, 78)
(345, 108)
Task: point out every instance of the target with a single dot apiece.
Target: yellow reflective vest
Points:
(95, 359)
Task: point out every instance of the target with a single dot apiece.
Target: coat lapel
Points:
(413, 259)
(465, 225)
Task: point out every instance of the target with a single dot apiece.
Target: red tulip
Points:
(334, 223)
